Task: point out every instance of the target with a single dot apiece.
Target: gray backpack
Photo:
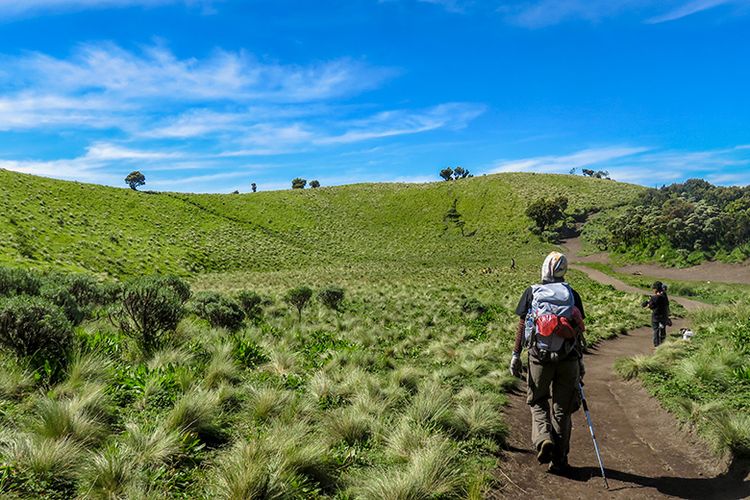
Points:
(553, 322)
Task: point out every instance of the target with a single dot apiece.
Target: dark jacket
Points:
(659, 305)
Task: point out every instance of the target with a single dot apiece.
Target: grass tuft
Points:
(197, 412)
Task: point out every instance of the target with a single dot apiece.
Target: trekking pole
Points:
(591, 429)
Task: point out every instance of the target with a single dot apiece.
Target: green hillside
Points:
(395, 391)
(74, 226)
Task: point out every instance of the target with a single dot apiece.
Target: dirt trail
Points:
(645, 453)
(707, 271)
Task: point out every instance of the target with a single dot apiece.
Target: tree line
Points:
(686, 223)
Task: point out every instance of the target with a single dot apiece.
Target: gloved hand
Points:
(581, 369)
(516, 365)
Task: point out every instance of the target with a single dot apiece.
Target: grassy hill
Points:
(398, 393)
(67, 225)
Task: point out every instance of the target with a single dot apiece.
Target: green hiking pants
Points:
(559, 381)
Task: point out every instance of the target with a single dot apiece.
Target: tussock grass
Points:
(732, 432)
(286, 462)
(149, 447)
(81, 419)
(406, 438)
(222, 368)
(85, 371)
(169, 357)
(281, 362)
(351, 425)
(478, 416)
(242, 473)
(408, 377)
(433, 471)
(54, 462)
(433, 404)
(15, 381)
(108, 474)
(632, 367)
(267, 402)
(197, 412)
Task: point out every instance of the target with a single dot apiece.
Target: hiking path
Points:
(646, 453)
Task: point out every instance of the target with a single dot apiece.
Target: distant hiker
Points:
(551, 322)
(659, 305)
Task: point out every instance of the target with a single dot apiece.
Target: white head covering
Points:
(554, 268)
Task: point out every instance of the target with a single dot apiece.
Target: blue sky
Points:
(209, 96)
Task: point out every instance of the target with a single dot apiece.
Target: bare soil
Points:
(707, 271)
(646, 453)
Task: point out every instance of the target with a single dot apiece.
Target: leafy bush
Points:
(61, 297)
(35, 330)
(248, 353)
(299, 297)
(178, 286)
(148, 313)
(331, 297)
(547, 212)
(86, 290)
(219, 310)
(251, 303)
(18, 281)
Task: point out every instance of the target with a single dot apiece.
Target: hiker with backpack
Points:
(551, 324)
(659, 305)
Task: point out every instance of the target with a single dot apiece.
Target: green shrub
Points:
(299, 297)
(219, 310)
(331, 297)
(180, 287)
(62, 298)
(251, 303)
(148, 313)
(37, 331)
(248, 353)
(18, 281)
(86, 289)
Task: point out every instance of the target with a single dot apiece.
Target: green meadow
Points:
(186, 359)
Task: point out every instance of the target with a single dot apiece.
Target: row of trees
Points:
(694, 216)
(300, 183)
(453, 174)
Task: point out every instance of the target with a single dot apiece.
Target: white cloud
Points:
(689, 9)
(642, 165)
(563, 163)
(156, 73)
(152, 109)
(401, 122)
(543, 13)
(102, 151)
(31, 110)
(17, 8)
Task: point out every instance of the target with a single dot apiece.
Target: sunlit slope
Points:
(50, 223)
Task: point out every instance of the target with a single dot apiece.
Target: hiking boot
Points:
(559, 467)
(546, 450)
